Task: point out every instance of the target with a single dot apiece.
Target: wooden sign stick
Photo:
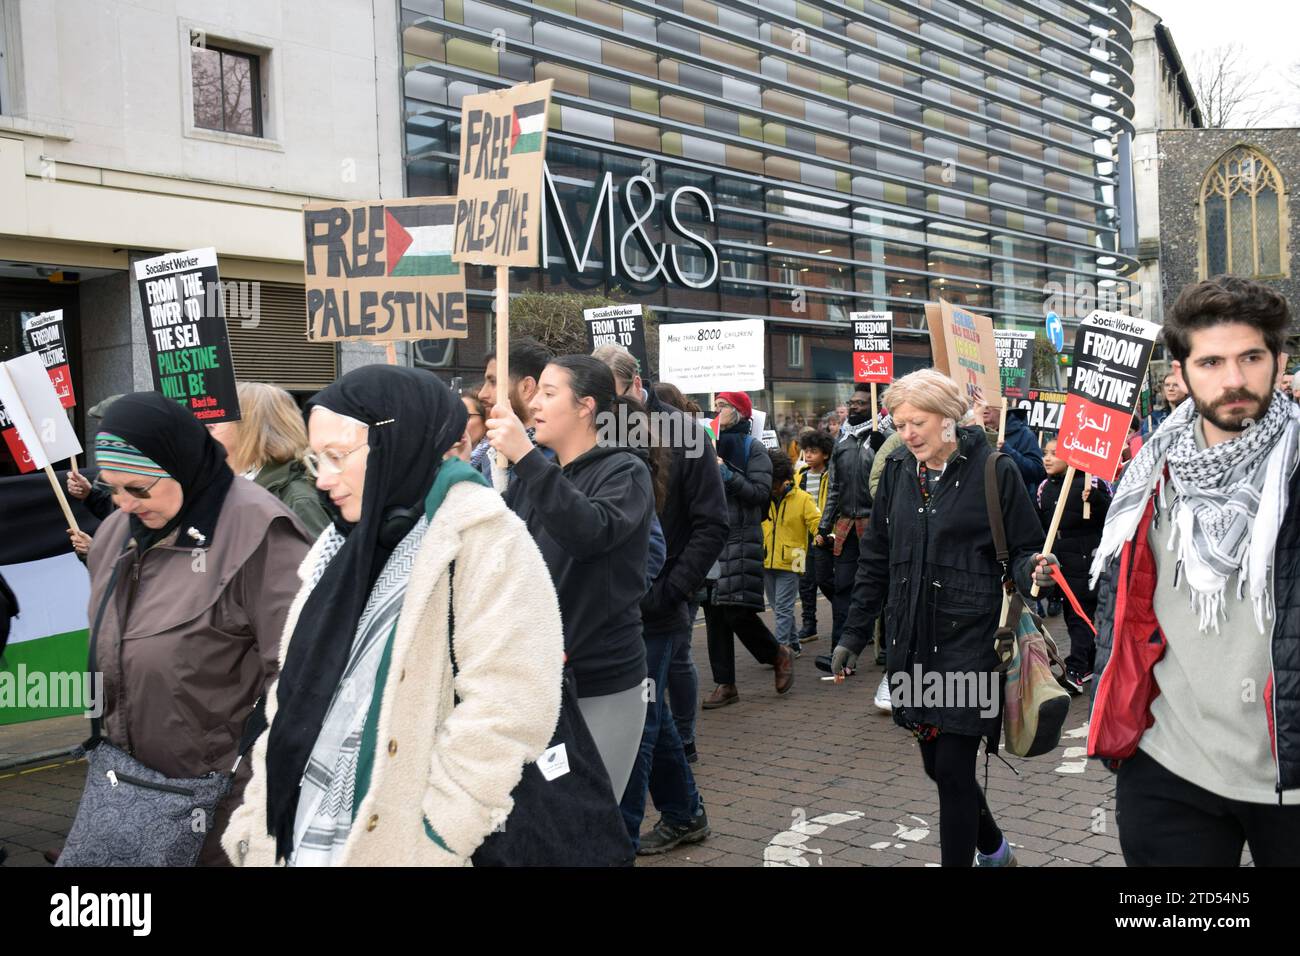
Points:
(503, 347)
(1002, 423)
(1056, 518)
(875, 410)
(390, 353)
(63, 501)
(1087, 505)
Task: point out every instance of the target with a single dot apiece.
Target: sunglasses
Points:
(133, 490)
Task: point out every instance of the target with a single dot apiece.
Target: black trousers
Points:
(846, 568)
(818, 575)
(724, 623)
(965, 822)
(1165, 820)
(1083, 643)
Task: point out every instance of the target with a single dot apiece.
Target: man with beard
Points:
(1198, 612)
(848, 505)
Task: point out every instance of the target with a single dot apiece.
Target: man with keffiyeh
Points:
(1198, 615)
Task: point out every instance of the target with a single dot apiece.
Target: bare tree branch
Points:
(1229, 88)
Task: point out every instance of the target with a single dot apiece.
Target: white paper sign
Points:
(724, 356)
(29, 397)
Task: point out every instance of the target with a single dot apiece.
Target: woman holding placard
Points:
(928, 559)
(590, 511)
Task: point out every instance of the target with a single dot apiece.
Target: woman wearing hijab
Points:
(266, 446)
(423, 656)
(590, 510)
(198, 572)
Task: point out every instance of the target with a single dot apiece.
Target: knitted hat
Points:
(115, 454)
(739, 401)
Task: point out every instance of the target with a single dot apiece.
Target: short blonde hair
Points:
(620, 361)
(929, 390)
(271, 430)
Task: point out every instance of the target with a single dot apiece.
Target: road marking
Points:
(788, 847)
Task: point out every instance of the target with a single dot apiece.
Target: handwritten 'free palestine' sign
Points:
(1111, 354)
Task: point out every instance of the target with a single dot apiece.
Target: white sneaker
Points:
(882, 701)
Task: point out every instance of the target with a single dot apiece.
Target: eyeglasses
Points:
(328, 461)
(131, 490)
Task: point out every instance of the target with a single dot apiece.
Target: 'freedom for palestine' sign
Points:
(185, 327)
(873, 347)
(499, 187)
(383, 271)
(44, 334)
(1111, 354)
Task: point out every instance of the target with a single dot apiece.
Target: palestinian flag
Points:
(527, 127)
(420, 239)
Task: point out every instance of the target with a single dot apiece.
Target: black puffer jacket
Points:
(934, 570)
(1076, 538)
(694, 520)
(850, 474)
(748, 495)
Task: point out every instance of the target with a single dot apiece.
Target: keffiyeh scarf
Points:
(847, 430)
(326, 805)
(1229, 501)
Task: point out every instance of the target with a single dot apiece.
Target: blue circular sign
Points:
(1055, 331)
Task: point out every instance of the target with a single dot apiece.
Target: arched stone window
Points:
(1243, 217)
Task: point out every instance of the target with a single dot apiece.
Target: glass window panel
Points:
(206, 70)
(1243, 252)
(1268, 229)
(238, 107)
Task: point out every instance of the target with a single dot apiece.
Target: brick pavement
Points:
(815, 778)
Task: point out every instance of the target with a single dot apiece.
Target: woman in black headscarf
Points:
(372, 758)
(196, 573)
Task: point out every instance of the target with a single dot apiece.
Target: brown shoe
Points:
(784, 669)
(722, 695)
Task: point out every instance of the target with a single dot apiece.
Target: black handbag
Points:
(132, 815)
(571, 820)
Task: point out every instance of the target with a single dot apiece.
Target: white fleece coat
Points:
(454, 767)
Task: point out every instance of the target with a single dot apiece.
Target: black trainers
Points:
(1071, 682)
(665, 836)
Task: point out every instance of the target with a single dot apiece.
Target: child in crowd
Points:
(792, 516)
(819, 573)
(1077, 539)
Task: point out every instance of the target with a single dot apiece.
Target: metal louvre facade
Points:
(856, 155)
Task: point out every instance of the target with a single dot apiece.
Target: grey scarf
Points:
(1229, 503)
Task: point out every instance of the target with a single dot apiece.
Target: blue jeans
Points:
(684, 683)
(782, 589)
(661, 768)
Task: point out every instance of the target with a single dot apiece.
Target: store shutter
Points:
(276, 350)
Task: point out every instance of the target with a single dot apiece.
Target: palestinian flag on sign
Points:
(527, 126)
(420, 239)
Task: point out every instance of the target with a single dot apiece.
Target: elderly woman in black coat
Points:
(736, 596)
(928, 558)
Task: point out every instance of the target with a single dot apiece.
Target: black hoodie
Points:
(591, 520)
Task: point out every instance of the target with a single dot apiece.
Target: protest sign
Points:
(185, 328)
(33, 411)
(1015, 361)
(1111, 353)
(873, 347)
(723, 356)
(383, 271)
(14, 442)
(965, 351)
(770, 441)
(622, 325)
(499, 188)
(44, 334)
(1045, 409)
